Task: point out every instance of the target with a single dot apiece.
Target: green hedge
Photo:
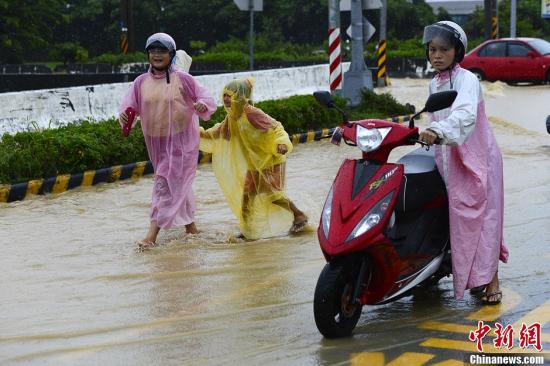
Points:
(87, 145)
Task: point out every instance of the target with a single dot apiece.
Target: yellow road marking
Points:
(4, 193)
(310, 136)
(411, 359)
(138, 169)
(61, 183)
(367, 359)
(540, 315)
(449, 363)
(446, 327)
(468, 346)
(34, 186)
(116, 171)
(510, 299)
(88, 178)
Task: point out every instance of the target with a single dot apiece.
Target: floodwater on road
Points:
(75, 291)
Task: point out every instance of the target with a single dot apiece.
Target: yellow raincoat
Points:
(247, 165)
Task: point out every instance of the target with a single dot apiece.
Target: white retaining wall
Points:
(52, 108)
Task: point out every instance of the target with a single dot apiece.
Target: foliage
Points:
(26, 27)
(69, 53)
(285, 28)
(529, 22)
(120, 58)
(70, 149)
(86, 145)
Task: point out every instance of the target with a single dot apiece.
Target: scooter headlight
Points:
(325, 217)
(372, 218)
(369, 139)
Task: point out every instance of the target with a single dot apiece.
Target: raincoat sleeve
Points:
(132, 99)
(274, 130)
(281, 137)
(208, 137)
(460, 123)
(198, 94)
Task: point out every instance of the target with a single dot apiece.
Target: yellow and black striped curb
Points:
(64, 182)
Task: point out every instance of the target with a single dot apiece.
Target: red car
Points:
(511, 60)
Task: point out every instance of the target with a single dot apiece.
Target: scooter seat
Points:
(418, 161)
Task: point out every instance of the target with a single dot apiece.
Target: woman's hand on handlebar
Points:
(429, 137)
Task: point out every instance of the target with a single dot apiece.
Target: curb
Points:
(64, 182)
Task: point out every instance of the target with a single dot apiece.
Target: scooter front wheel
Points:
(336, 314)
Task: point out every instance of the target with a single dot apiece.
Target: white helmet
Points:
(449, 31)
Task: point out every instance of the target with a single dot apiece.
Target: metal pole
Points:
(251, 41)
(496, 14)
(381, 81)
(357, 59)
(513, 7)
(358, 77)
(487, 16)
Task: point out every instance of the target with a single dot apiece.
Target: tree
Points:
(26, 27)
(407, 20)
(529, 22)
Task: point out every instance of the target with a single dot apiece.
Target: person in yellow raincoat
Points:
(249, 150)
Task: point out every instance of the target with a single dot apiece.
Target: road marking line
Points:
(449, 363)
(510, 300)
(540, 315)
(447, 327)
(411, 359)
(468, 346)
(367, 359)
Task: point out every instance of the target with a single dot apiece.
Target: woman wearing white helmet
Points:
(169, 102)
(470, 163)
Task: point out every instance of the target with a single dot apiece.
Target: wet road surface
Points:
(75, 291)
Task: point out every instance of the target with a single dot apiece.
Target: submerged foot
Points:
(299, 224)
(145, 244)
(191, 228)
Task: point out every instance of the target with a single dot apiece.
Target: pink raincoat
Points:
(170, 127)
(471, 166)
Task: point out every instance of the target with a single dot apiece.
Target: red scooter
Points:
(384, 228)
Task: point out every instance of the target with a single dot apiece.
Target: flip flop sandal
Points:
(485, 299)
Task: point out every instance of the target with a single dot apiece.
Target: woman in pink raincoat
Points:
(470, 163)
(169, 102)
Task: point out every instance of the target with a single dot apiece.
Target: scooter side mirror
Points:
(324, 98)
(436, 102)
(441, 100)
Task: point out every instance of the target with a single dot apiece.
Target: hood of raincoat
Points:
(240, 91)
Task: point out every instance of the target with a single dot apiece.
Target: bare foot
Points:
(492, 295)
(191, 228)
(299, 223)
(146, 244)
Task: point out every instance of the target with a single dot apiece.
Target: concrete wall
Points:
(52, 108)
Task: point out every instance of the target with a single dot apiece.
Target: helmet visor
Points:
(445, 34)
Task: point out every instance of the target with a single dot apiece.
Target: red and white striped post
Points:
(335, 59)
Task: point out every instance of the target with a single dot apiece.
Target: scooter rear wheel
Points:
(335, 315)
